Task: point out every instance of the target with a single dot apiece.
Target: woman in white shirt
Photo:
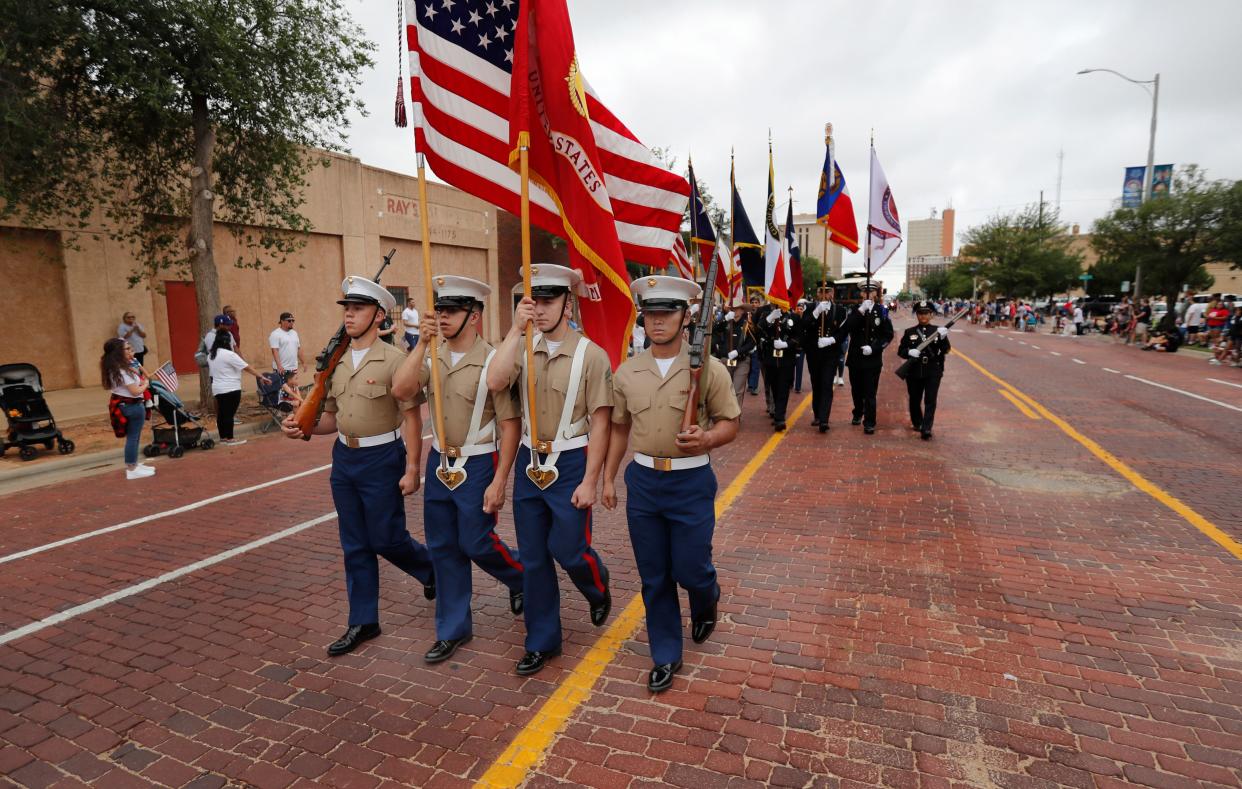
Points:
(226, 368)
(126, 408)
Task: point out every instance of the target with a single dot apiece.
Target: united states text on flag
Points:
(167, 376)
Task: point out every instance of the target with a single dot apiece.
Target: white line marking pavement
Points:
(1079, 361)
(1055, 353)
(12, 557)
(1111, 370)
(985, 331)
(1226, 383)
(1022, 342)
(172, 575)
(1183, 392)
(1036, 347)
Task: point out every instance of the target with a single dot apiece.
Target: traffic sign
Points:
(1085, 277)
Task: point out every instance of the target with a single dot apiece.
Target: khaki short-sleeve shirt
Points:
(362, 398)
(653, 405)
(460, 384)
(552, 383)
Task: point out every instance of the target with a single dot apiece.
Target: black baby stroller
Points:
(274, 400)
(181, 429)
(30, 420)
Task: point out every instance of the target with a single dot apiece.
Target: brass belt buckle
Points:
(662, 464)
(543, 447)
(731, 363)
(453, 452)
(351, 442)
(778, 353)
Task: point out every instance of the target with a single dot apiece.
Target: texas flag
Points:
(776, 276)
(834, 209)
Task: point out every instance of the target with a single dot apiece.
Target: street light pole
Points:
(1151, 142)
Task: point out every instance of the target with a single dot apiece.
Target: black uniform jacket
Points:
(930, 363)
(874, 329)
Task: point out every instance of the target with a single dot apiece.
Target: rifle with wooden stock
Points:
(904, 369)
(311, 407)
(700, 336)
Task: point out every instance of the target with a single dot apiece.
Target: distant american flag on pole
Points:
(680, 260)
(461, 61)
(167, 376)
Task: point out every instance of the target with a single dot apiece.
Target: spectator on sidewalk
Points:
(1194, 321)
(226, 368)
(127, 406)
(1078, 320)
(1142, 322)
(234, 327)
(286, 348)
(409, 324)
(1214, 320)
(132, 332)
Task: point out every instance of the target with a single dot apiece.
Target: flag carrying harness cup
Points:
(480, 439)
(567, 431)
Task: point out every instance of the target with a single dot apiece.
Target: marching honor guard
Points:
(923, 382)
(468, 467)
(670, 486)
(870, 331)
(371, 470)
(819, 325)
(733, 341)
(779, 351)
(557, 474)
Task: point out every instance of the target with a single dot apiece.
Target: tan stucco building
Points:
(70, 299)
(810, 235)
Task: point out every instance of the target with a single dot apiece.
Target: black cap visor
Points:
(358, 298)
(664, 305)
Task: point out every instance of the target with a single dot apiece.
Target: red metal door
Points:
(182, 301)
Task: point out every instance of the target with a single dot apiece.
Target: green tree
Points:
(159, 111)
(812, 273)
(1025, 253)
(935, 283)
(1171, 238)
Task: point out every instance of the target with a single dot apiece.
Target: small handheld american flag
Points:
(167, 376)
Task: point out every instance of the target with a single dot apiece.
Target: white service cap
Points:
(454, 291)
(360, 290)
(660, 292)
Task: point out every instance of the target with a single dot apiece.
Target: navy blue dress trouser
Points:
(371, 519)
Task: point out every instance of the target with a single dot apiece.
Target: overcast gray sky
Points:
(970, 100)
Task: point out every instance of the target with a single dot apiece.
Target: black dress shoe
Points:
(780, 426)
(661, 677)
(443, 649)
(701, 629)
(869, 430)
(927, 435)
(517, 601)
(856, 420)
(823, 427)
(354, 635)
(429, 589)
(532, 662)
(599, 612)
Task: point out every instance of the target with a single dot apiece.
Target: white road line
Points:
(139, 588)
(985, 331)
(1079, 361)
(1022, 342)
(1036, 347)
(1226, 383)
(12, 557)
(1055, 353)
(1183, 392)
(1111, 370)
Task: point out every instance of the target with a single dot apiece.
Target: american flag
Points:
(461, 61)
(167, 376)
(680, 260)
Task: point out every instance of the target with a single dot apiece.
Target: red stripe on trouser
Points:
(590, 560)
(497, 543)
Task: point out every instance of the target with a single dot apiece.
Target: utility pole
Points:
(1060, 173)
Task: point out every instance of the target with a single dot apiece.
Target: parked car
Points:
(1098, 306)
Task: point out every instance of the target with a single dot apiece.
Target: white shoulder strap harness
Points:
(545, 473)
(480, 439)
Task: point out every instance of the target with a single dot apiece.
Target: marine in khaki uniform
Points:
(555, 484)
(468, 467)
(670, 486)
(371, 470)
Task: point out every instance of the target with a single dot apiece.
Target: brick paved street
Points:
(997, 607)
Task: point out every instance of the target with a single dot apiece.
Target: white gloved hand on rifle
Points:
(820, 308)
(773, 316)
(943, 331)
(732, 355)
(827, 342)
(866, 350)
(866, 306)
(780, 345)
(694, 309)
(730, 315)
(915, 353)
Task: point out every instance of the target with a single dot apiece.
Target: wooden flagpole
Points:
(428, 286)
(524, 172)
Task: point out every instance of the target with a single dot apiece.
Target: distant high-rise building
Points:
(811, 240)
(932, 236)
(919, 267)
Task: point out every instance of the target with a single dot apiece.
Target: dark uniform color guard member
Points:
(371, 470)
(481, 430)
(670, 486)
(552, 497)
(733, 341)
(778, 348)
(819, 325)
(870, 331)
(923, 382)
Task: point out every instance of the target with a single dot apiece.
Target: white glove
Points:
(732, 354)
(866, 350)
(820, 309)
(694, 309)
(773, 316)
(780, 345)
(866, 306)
(730, 315)
(943, 331)
(825, 342)
(915, 353)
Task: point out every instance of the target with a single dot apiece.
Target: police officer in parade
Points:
(371, 470)
(556, 478)
(923, 382)
(869, 331)
(670, 485)
(733, 342)
(778, 349)
(468, 467)
(820, 324)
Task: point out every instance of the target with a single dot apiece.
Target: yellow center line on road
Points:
(1116, 464)
(531, 745)
(1018, 404)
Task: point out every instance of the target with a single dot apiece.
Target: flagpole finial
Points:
(872, 136)
(827, 132)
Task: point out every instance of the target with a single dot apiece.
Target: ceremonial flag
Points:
(725, 282)
(702, 234)
(834, 209)
(883, 224)
(462, 65)
(167, 376)
(776, 278)
(747, 251)
(794, 255)
(680, 261)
